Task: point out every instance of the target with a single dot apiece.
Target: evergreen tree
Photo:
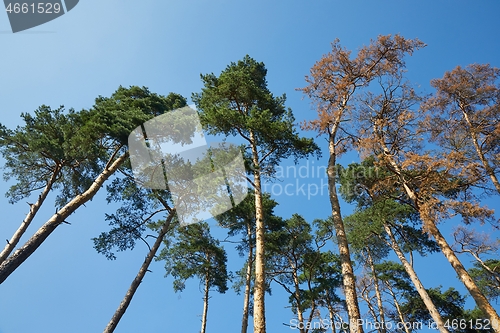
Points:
(241, 221)
(238, 103)
(464, 118)
(380, 223)
(195, 253)
(332, 85)
(429, 181)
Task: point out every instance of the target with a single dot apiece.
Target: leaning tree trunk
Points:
(349, 280)
(479, 298)
(480, 154)
(429, 304)
(398, 308)
(248, 283)
(364, 291)
(12, 243)
(24, 252)
(259, 317)
(430, 225)
(378, 294)
(139, 277)
(331, 313)
(486, 165)
(478, 259)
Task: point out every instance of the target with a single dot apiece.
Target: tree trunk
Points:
(398, 309)
(259, 316)
(248, 283)
(479, 151)
(479, 298)
(493, 273)
(364, 285)
(139, 277)
(31, 215)
(205, 305)
(331, 313)
(416, 282)
(378, 295)
(23, 253)
(349, 280)
(300, 313)
(481, 301)
(312, 314)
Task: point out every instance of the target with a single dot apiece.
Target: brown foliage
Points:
(336, 76)
(464, 117)
(332, 84)
(431, 181)
(388, 127)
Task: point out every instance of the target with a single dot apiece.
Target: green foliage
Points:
(309, 275)
(240, 220)
(135, 215)
(76, 145)
(128, 108)
(358, 180)
(376, 207)
(396, 276)
(448, 303)
(51, 141)
(295, 238)
(365, 228)
(488, 282)
(322, 279)
(238, 103)
(475, 322)
(195, 253)
(116, 117)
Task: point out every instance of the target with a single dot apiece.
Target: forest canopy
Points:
(424, 161)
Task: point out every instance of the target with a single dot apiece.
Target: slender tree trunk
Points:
(479, 151)
(481, 301)
(139, 277)
(23, 253)
(248, 283)
(378, 295)
(12, 243)
(205, 305)
(300, 313)
(416, 281)
(314, 300)
(349, 280)
(493, 273)
(331, 313)
(311, 315)
(398, 308)
(364, 290)
(479, 298)
(259, 316)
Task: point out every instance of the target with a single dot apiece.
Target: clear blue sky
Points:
(165, 45)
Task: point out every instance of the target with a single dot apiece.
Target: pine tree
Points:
(332, 85)
(238, 103)
(195, 253)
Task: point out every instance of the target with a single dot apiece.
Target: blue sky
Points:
(165, 45)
